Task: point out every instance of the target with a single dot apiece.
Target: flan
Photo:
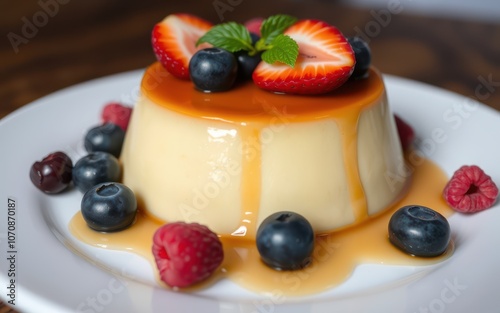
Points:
(230, 159)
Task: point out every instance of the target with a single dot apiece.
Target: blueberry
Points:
(247, 63)
(109, 207)
(213, 69)
(53, 173)
(285, 241)
(362, 54)
(95, 168)
(107, 138)
(419, 231)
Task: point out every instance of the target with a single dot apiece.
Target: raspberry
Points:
(253, 25)
(405, 131)
(116, 113)
(470, 190)
(186, 254)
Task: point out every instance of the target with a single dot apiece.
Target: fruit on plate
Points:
(116, 113)
(53, 173)
(285, 241)
(107, 137)
(326, 60)
(94, 168)
(174, 41)
(186, 253)
(405, 132)
(419, 231)
(109, 207)
(470, 190)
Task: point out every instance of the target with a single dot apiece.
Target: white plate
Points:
(55, 273)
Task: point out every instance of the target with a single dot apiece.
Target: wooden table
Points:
(52, 46)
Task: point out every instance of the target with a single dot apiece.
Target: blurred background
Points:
(51, 44)
(482, 10)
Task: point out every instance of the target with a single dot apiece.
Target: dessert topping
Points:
(53, 173)
(325, 61)
(109, 207)
(253, 25)
(246, 62)
(363, 57)
(285, 241)
(186, 254)
(213, 69)
(174, 41)
(116, 113)
(470, 190)
(276, 46)
(419, 231)
(304, 57)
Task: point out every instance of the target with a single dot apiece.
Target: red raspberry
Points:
(405, 131)
(116, 113)
(253, 25)
(186, 253)
(470, 190)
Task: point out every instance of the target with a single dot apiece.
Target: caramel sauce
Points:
(250, 188)
(248, 105)
(334, 258)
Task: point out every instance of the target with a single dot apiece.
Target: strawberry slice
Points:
(174, 41)
(325, 61)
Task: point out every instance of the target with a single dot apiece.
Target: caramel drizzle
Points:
(348, 125)
(250, 181)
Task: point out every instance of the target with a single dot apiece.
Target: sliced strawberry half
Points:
(325, 61)
(174, 41)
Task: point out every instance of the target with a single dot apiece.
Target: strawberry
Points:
(174, 41)
(326, 60)
(405, 132)
(186, 254)
(470, 190)
(117, 114)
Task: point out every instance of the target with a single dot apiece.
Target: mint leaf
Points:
(230, 36)
(275, 46)
(282, 49)
(275, 25)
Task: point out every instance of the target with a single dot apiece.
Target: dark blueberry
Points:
(109, 207)
(53, 173)
(213, 69)
(107, 138)
(285, 241)
(362, 54)
(247, 63)
(419, 231)
(94, 168)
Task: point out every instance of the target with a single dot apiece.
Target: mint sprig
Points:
(282, 49)
(275, 46)
(275, 25)
(230, 36)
